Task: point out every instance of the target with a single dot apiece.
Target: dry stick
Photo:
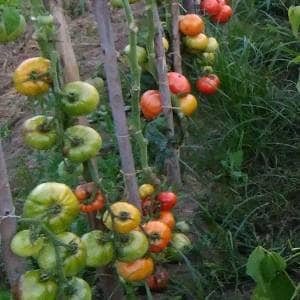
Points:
(172, 163)
(102, 15)
(189, 6)
(175, 11)
(14, 265)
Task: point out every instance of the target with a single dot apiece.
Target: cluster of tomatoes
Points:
(129, 241)
(218, 10)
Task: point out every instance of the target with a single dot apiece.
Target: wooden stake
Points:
(175, 12)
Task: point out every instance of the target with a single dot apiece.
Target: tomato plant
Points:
(208, 85)
(167, 200)
(151, 104)
(191, 24)
(159, 280)
(178, 83)
(100, 251)
(188, 104)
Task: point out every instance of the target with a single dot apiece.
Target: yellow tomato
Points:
(165, 43)
(188, 104)
(146, 190)
(122, 217)
(31, 78)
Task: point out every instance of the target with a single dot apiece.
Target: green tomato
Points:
(67, 169)
(141, 54)
(73, 258)
(99, 251)
(81, 98)
(80, 290)
(196, 43)
(12, 25)
(55, 203)
(183, 226)
(207, 69)
(33, 286)
(81, 143)
(98, 83)
(212, 45)
(208, 58)
(180, 244)
(24, 243)
(134, 246)
(39, 132)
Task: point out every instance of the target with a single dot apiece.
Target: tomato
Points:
(81, 143)
(140, 52)
(159, 235)
(178, 84)
(26, 243)
(223, 2)
(98, 83)
(159, 280)
(85, 191)
(31, 78)
(73, 257)
(224, 15)
(132, 246)
(10, 31)
(207, 69)
(80, 98)
(210, 7)
(165, 43)
(80, 290)
(183, 226)
(39, 132)
(137, 270)
(167, 200)
(208, 85)
(150, 206)
(34, 285)
(208, 58)
(126, 217)
(196, 43)
(180, 244)
(191, 24)
(100, 252)
(146, 190)
(188, 104)
(55, 203)
(212, 45)
(151, 105)
(67, 169)
(167, 218)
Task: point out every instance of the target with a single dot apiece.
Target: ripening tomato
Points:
(26, 243)
(80, 98)
(150, 206)
(138, 270)
(159, 235)
(208, 85)
(191, 24)
(73, 258)
(159, 280)
(167, 200)
(54, 203)
(122, 217)
(224, 15)
(188, 104)
(81, 143)
(100, 252)
(132, 246)
(178, 83)
(146, 190)
(167, 218)
(151, 104)
(34, 285)
(31, 78)
(198, 42)
(39, 132)
(212, 45)
(210, 7)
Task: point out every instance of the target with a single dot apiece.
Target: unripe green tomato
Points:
(207, 69)
(67, 169)
(212, 45)
(80, 290)
(99, 251)
(180, 244)
(198, 42)
(24, 244)
(208, 58)
(141, 54)
(183, 226)
(98, 83)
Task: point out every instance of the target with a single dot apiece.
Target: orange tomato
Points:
(151, 104)
(188, 104)
(137, 270)
(191, 24)
(159, 235)
(167, 218)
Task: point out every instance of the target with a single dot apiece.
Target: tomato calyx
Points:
(155, 236)
(72, 97)
(36, 76)
(54, 210)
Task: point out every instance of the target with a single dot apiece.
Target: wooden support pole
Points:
(102, 16)
(14, 265)
(175, 12)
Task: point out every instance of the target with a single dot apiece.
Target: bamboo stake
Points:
(175, 11)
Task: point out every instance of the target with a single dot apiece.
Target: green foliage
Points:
(5, 295)
(294, 18)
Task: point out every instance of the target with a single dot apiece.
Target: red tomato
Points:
(178, 84)
(224, 15)
(208, 85)
(223, 2)
(151, 104)
(210, 7)
(167, 200)
(159, 280)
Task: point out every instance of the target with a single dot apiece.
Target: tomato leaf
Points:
(11, 19)
(296, 60)
(294, 18)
